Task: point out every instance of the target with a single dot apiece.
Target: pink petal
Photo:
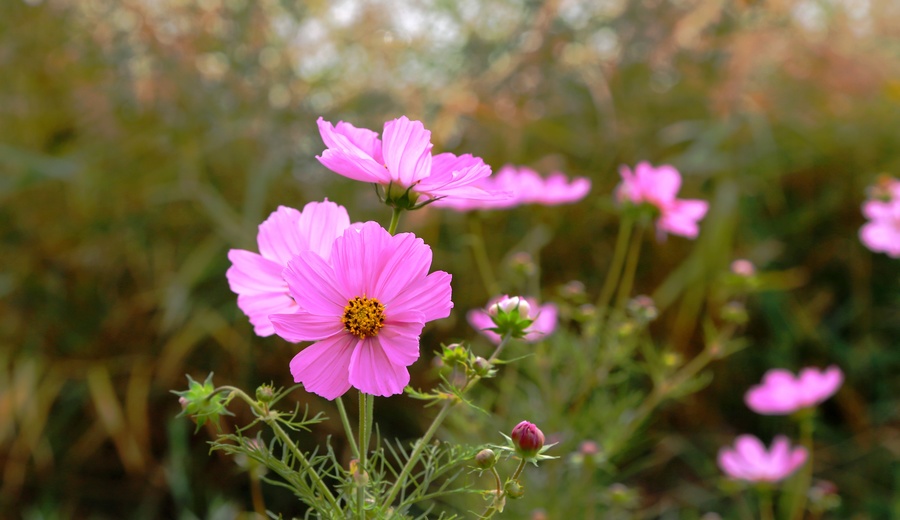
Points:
(400, 337)
(323, 222)
(357, 257)
(405, 261)
(373, 373)
(280, 237)
(323, 367)
(303, 326)
(351, 153)
(431, 296)
(544, 324)
(312, 284)
(407, 151)
(480, 321)
(881, 237)
(259, 306)
(250, 273)
(660, 184)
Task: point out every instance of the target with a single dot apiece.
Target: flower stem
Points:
(489, 512)
(765, 503)
(615, 268)
(271, 419)
(435, 424)
(395, 220)
(363, 453)
(476, 242)
(348, 431)
(630, 268)
(801, 483)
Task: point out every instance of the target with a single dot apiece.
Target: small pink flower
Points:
(544, 317)
(658, 187)
(750, 461)
(523, 186)
(401, 160)
(780, 393)
(882, 233)
(364, 310)
(256, 278)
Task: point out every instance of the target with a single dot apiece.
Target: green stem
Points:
(271, 419)
(615, 267)
(765, 503)
(489, 512)
(476, 242)
(630, 268)
(395, 220)
(363, 454)
(348, 430)
(435, 424)
(801, 483)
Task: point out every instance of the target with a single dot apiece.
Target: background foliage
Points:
(140, 140)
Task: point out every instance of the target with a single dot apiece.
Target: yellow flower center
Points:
(363, 317)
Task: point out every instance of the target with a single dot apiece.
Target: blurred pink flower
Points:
(544, 317)
(401, 160)
(256, 278)
(523, 186)
(780, 393)
(750, 461)
(882, 233)
(658, 187)
(364, 309)
(743, 267)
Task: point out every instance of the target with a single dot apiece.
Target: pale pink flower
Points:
(658, 187)
(364, 310)
(544, 317)
(256, 277)
(401, 160)
(780, 393)
(750, 461)
(523, 186)
(882, 233)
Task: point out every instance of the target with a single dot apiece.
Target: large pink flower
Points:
(256, 278)
(523, 186)
(750, 461)
(658, 187)
(882, 233)
(780, 393)
(544, 317)
(401, 160)
(364, 309)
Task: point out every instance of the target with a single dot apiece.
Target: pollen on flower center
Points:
(363, 317)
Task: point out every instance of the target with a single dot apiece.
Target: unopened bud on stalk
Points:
(528, 439)
(265, 393)
(510, 304)
(485, 459)
(482, 366)
(514, 489)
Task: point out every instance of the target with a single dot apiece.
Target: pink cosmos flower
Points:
(780, 393)
(364, 310)
(882, 233)
(544, 317)
(523, 186)
(658, 187)
(750, 461)
(256, 278)
(401, 160)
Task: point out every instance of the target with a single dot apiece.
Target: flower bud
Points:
(265, 393)
(514, 489)
(200, 401)
(642, 309)
(528, 439)
(485, 459)
(510, 304)
(482, 366)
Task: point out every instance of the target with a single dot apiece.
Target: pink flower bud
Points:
(528, 439)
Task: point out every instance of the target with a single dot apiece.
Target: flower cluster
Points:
(882, 233)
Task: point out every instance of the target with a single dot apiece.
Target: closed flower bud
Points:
(514, 489)
(485, 459)
(482, 366)
(265, 393)
(528, 439)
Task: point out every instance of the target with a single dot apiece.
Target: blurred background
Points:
(142, 139)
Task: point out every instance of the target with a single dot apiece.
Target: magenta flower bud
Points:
(528, 439)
